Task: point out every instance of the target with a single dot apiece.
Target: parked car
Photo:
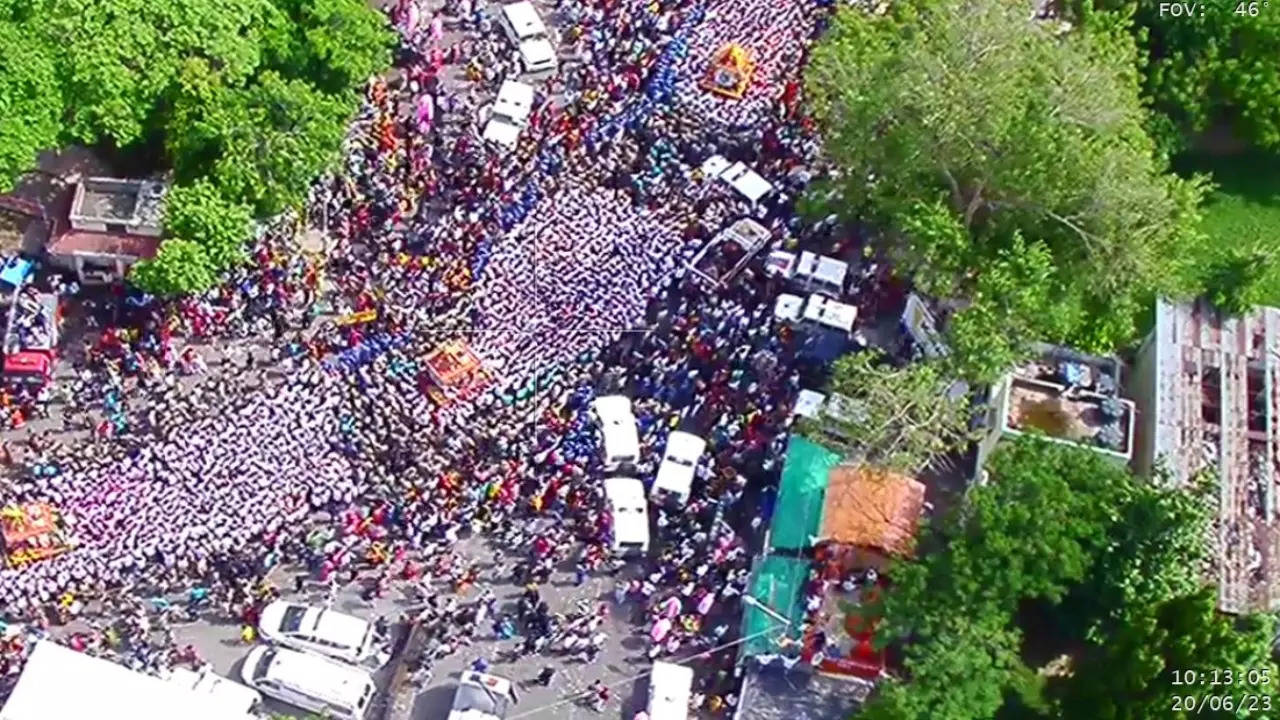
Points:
(482, 697)
(318, 630)
(679, 463)
(529, 34)
(630, 511)
(316, 684)
(510, 113)
(618, 426)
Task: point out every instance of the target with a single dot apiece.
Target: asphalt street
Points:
(622, 660)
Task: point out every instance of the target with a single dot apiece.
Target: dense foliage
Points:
(206, 237)
(989, 144)
(899, 418)
(30, 101)
(1212, 66)
(1211, 81)
(1062, 555)
(250, 95)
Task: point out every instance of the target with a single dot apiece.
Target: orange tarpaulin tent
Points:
(871, 508)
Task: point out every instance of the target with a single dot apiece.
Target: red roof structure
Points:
(76, 242)
(872, 508)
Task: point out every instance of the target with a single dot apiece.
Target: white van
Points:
(317, 630)
(482, 697)
(679, 462)
(310, 682)
(234, 699)
(630, 512)
(618, 426)
(510, 113)
(670, 687)
(528, 33)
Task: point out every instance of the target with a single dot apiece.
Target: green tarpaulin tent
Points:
(801, 492)
(779, 585)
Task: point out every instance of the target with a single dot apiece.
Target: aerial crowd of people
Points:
(256, 429)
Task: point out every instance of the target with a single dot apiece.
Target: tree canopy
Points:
(252, 96)
(1107, 565)
(981, 138)
(272, 139)
(899, 418)
(181, 267)
(30, 100)
(1217, 66)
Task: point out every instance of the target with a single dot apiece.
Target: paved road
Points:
(623, 656)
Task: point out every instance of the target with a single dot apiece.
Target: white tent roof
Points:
(746, 181)
(831, 313)
(820, 267)
(61, 684)
(788, 307)
(809, 403)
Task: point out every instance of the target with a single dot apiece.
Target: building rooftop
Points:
(75, 242)
(774, 692)
(118, 201)
(872, 508)
(1070, 415)
(1215, 387)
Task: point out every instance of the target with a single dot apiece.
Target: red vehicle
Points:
(31, 337)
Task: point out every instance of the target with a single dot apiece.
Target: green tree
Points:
(120, 58)
(1203, 68)
(899, 418)
(30, 100)
(1013, 128)
(1130, 676)
(1107, 559)
(199, 213)
(960, 672)
(944, 249)
(335, 44)
(180, 268)
(1238, 282)
(1012, 304)
(212, 84)
(266, 143)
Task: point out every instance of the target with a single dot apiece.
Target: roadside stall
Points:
(870, 516)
